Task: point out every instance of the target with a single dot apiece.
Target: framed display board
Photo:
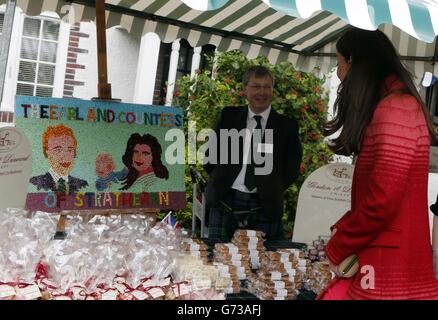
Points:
(97, 155)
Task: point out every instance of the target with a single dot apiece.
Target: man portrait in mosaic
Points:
(60, 149)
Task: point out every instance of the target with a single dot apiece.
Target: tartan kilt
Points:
(222, 224)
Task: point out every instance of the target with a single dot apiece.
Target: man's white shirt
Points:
(251, 123)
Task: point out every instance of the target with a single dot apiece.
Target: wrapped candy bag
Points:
(95, 252)
(107, 257)
(23, 238)
(154, 255)
(84, 259)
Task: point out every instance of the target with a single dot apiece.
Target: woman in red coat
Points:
(384, 122)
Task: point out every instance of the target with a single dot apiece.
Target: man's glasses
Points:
(260, 87)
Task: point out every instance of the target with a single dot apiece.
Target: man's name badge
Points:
(265, 148)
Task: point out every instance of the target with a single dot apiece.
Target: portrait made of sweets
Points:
(89, 155)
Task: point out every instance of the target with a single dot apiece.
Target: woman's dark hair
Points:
(159, 169)
(373, 58)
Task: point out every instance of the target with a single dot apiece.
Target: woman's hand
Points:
(334, 268)
(435, 262)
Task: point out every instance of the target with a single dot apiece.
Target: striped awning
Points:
(418, 18)
(300, 31)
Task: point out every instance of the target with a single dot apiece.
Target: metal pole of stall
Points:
(5, 40)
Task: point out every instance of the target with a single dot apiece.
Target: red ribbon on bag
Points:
(104, 290)
(20, 285)
(41, 271)
(47, 285)
(94, 295)
(23, 285)
(128, 289)
(145, 279)
(67, 294)
(178, 285)
(86, 295)
(146, 289)
(126, 296)
(81, 292)
(11, 284)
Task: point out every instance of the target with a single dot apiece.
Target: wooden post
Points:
(103, 87)
(60, 228)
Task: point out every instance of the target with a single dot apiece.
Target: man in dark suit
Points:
(249, 193)
(59, 147)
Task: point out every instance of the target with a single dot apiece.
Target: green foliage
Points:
(297, 95)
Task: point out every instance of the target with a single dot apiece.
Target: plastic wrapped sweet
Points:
(153, 256)
(22, 240)
(319, 277)
(106, 258)
(68, 261)
(65, 262)
(90, 255)
(267, 289)
(98, 251)
(316, 252)
(196, 248)
(149, 262)
(279, 276)
(167, 236)
(244, 252)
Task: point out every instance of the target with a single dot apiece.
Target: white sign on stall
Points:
(15, 167)
(324, 198)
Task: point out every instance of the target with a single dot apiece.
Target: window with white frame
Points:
(37, 58)
(2, 19)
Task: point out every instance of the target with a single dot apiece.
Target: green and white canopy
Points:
(418, 18)
(301, 31)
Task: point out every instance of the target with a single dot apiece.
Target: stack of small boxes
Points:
(279, 277)
(230, 263)
(317, 251)
(196, 248)
(229, 277)
(251, 244)
(236, 259)
(320, 275)
(319, 278)
(280, 274)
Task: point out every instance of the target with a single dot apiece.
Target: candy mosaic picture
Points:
(100, 155)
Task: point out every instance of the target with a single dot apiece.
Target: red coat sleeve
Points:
(391, 139)
(339, 222)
